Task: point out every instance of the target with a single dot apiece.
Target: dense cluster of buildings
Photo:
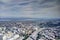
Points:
(27, 31)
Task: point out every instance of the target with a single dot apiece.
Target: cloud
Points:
(5, 1)
(29, 8)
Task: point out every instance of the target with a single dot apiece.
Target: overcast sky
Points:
(30, 8)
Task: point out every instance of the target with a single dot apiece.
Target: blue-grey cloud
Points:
(29, 8)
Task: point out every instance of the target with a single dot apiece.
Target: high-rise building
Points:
(1, 37)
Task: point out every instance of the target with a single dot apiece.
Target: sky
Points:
(30, 8)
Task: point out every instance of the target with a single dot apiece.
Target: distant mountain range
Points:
(26, 19)
(16, 19)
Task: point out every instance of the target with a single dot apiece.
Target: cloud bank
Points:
(30, 8)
